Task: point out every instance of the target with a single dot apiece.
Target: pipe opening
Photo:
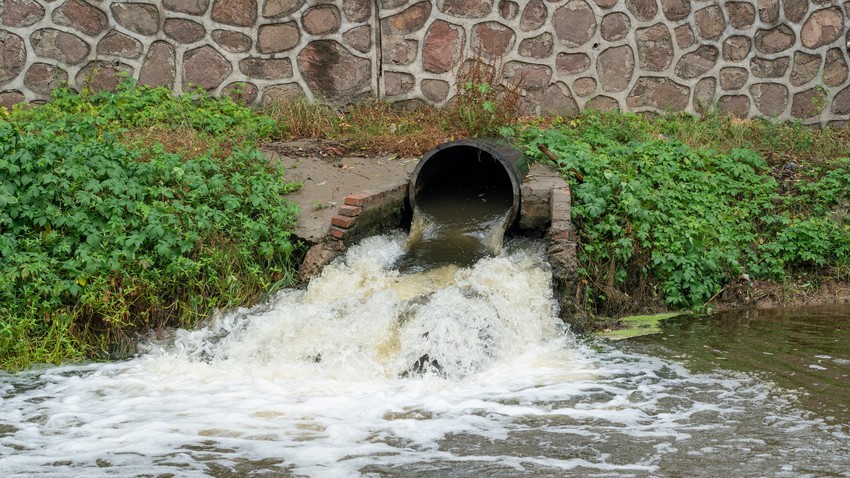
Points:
(464, 195)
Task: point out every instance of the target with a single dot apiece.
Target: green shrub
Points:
(657, 217)
(99, 240)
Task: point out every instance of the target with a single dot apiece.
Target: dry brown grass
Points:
(186, 142)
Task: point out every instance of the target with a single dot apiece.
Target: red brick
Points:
(350, 211)
(337, 232)
(357, 199)
(343, 221)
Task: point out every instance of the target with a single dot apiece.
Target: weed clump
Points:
(103, 234)
(659, 219)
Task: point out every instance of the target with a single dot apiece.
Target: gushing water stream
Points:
(331, 382)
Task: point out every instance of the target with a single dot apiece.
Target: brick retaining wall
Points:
(776, 58)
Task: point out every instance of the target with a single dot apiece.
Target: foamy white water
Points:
(457, 372)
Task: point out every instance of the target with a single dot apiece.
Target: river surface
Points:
(454, 372)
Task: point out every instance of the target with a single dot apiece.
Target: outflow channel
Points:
(330, 381)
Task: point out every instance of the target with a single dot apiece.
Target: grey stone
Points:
(805, 68)
(241, 92)
(704, 93)
(239, 13)
(43, 78)
(277, 37)
(231, 41)
(771, 99)
(141, 18)
(655, 47)
(697, 62)
(572, 63)
(615, 26)
(736, 48)
(533, 16)
(710, 22)
(160, 67)
(103, 76)
(398, 83)
(767, 68)
(443, 46)
(13, 55)
(184, 31)
(822, 28)
(466, 8)
(281, 8)
(435, 91)
(585, 86)
(192, 7)
(205, 67)
(675, 10)
(410, 20)
(775, 40)
(574, 23)
(615, 67)
(492, 38)
(531, 76)
(60, 46)
(809, 103)
(82, 16)
(603, 103)
(795, 10)
(266, 68)
(558, 100)
(733, 78)
(20, 13)
(684, 36)
(742, 15)
(835, 68)
(321, 19)
(281, 92)
(357, 11)
(333, 73)
(116, 43)
(659, 93)
(735, 105)
(359, 38)
(540, 47)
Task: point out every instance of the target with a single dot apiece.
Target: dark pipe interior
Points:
(460, 178)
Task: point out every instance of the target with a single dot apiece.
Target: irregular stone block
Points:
(82, 16)
(606, 3)
(675, 10)
(660, 93)
(278, 37)
(558, 100)
(280, 8)
(266, 68)
(704, 95)
(239, 13)
(20, 13)
(231, 41)
(655, 47)
(771, 99)
(710, 22)
(160, 67)
(60, 46)
(532, 76)
(466, 8)
(809, 103)
(508, 10)
(116, 43)
(805, 68)
(733, 78)
(742, 15)
(572, 63)
(539, 47)
(615, 26)
(359, 38)
(492, 38)
(435, 90)
(390, 4)
(103, 76)
(775, 40)
(795, 10)
(407, 21)
(822, 28)
(766, 68)
(205, 67)
(281, 92)
(43, 78)
(332, 72)
(835, 68)
(736, 48)
(183, 31)
(615, 67)
(8, 99)
(13, 55)
(192, 7)
(398, 83)
(141, 18)
(841, 102)
(241, 92)
(768, 10)
(321, 20)
(643, 10)
(400, 52)
(533, 16)
(443, 46)
(697, 62)
(357, 11)
(603, 103)
(684, 36)
(735, 105)
(585, 86)
(574, 23)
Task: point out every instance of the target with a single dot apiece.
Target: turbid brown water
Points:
(317, 383)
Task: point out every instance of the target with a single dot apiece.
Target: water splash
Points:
(318, 382)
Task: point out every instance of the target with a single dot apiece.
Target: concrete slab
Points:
(327, 178)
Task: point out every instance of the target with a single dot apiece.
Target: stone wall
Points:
(777, 58)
